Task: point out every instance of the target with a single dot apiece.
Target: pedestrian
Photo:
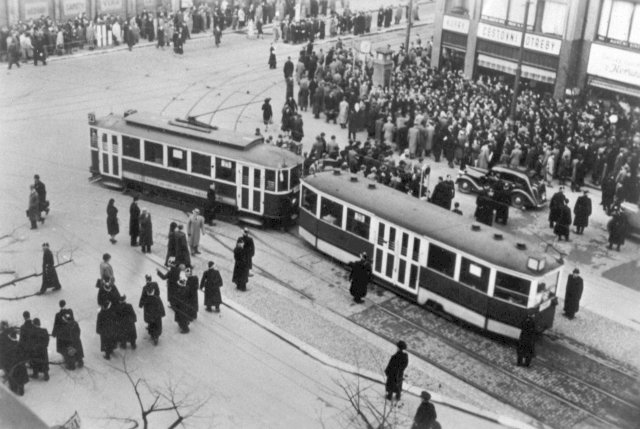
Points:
(563, 223)
(288, 69)
(69, 342)
(426, 416)
(134, 221)
(249, 248)
(33, 209)
(456, 208)
(58, 322)
(182, 247)
(106, 270)
(14, 362)
(617, 227)
(558, 200)
(171, 243)
(27, 340)
(395, 371)
(608, 193)
(267, 114)
(107, 292)
(360, 277)
(172, 276)
(572, 296)
(272, 58)
(502, 202)
(484, 208)
(41, 189)
(184, 299)
(126, 317)
(211, 283)
(113, 228)
(153, 309)
(13, 50)
(146, 231)
(527, 341)
(211, 206)
(582, 211)
(240, 271)
(195, 227)
(107, 328)
(217, 35)
(49, 273)
(40, 354)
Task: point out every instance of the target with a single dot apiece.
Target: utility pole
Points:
(516, 86)
(409, 22)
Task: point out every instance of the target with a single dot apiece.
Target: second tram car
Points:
(192, 163)
(477, 273)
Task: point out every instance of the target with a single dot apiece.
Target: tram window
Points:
(415, 255)
(331, 212)
(114, 145)
(441, 260)
(358, 223)
(177, 158)
(270, 180)
(381, 234)
(225, 170)
(295, 176)
(474, 274)
(245, 175)
(404, 246)
(201, 164)
(257, 174)
(512, 289)
(131, 147)
(93, 134)
(153, 152)
(309, 200)
(283, 180)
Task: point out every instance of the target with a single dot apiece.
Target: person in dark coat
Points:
(395, 371)
(563, 223)
(440, 193)
(153, 309)
(572, 296)
(126, 317)
(41, 190)
(39, 352)
(33, 209)
(240, 268)
(297, 128)
(113, 228)
(69, 342)
(272, 58)
(360, 277)
(582, 211)
(484, 208)
(210, 208)
(608, 193)
(182, 247)
(171, 243)
(211, 283)
(14, 362)
(288, 68)
(49, 273)
(267, 113)
(134, 221)
(58, 322)
(558, 200)
(426, 415)
(146, 231)
(249, 247)
(27, 333)
(107, 328)
(186, 300)
(617, 227)
(527, 341)
(502, 202)
(107, 292)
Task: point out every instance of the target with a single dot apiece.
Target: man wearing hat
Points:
(360, 277)
(153, 309)
(249, 248)
(195, 227)
(49, 273)
(426, 416)
(126, 323)
(211, 283)
(575, 286)
(582, 211)
(395, 371)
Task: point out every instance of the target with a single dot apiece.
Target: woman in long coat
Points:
(107, 328)
(240, 269)
(360, 277)
(146, 231)
(153, 309)
(69, 343)
(113, 228)
(171, 243)
(582, 211)
(182, 247)
(49, 274)
(272, 58)
(211, 283)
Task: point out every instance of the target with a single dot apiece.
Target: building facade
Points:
(568, 46)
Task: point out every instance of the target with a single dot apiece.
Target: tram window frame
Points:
(442, 260)
(151, 150)
(506, 291)
(227, 171)
(329, 207)
(283, 180)
(306, 203)
(270, 180)
(294, 176)
(179, 163)
(201, 164)
(130, 147)
(93, 138)
(469, 278)
(361, 228)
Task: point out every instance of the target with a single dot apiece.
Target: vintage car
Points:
(525, 191)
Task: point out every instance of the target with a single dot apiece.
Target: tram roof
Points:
(434, 222)
(224, 143)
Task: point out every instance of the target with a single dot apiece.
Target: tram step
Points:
(250, 220)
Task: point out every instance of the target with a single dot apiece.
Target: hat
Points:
(147, 277)
(266, 100)
(197, 211)
(246, 230)
(576, 271)
(425, 395)
(401, 345)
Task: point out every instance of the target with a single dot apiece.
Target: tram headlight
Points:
(294, 202)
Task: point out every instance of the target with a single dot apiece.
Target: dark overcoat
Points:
(172, 276)
(575, 286)
(555, 206)
(182, 248)
(395, 371)
(617, 228)
(107, 328)
(240, 268)
(111, 294)
(527, 340)
(211, 283)
(49, 273)
(134, 220)
(152, 306)
(112, 221)
(58, 326)
(563, 223)
(146, 230)
(69, 342)
(582, 211)
(360, 277)
(126, 317)
(39, 352)
(15, 358)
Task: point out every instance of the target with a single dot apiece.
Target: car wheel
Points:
(517, 201)
(464, 186)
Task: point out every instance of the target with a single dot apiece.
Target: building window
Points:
(474, 274)
(131, 147)
(358, 223)
(512, 289)
(441, 260)
(331, 212)
(517, 10)
(177, 158)
(201, 164)
(309, 200)
(620, 23)
(225, 170)
(495, 10)
(554, 17)
(457, 7)
(153, 152)
(545, 16)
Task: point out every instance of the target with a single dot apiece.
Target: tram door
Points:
(396, 257)
(110, 160)
(251, 189)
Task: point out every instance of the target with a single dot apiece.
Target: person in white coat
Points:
(195, 228)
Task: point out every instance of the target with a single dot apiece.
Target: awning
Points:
(610, 85)
(510, 67)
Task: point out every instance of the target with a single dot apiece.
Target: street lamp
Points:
(516, 85)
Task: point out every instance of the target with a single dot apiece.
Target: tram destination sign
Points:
(533, 42)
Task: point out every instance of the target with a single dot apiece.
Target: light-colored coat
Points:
(194, 228)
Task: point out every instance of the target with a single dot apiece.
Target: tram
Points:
(479, 274)
(192, 162)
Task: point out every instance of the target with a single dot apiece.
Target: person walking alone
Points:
(426, 416)
(49, 274)
(573, 294)
(113, 228)
(267, 114)
(211, 283)
(395, 371)
(107, 328)
(360, 277)
(134, 221)
(195, 227)
(527, 341)
(240, 268)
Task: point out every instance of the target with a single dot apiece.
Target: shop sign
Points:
(74, 7)
(507, 36)
(616, 64)
(455, 24)
(36, 9)
(109, 5)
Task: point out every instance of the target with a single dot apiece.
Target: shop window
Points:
(457, 7)
(358, 223)
(474, 274)
(283, 180)
(201, 164)
(511, 288)
(153, 152)
(331, 212)
(177, 158)
(441, 260)
(225, 170)
(309, 200)
(270, 180)
(131, 147)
